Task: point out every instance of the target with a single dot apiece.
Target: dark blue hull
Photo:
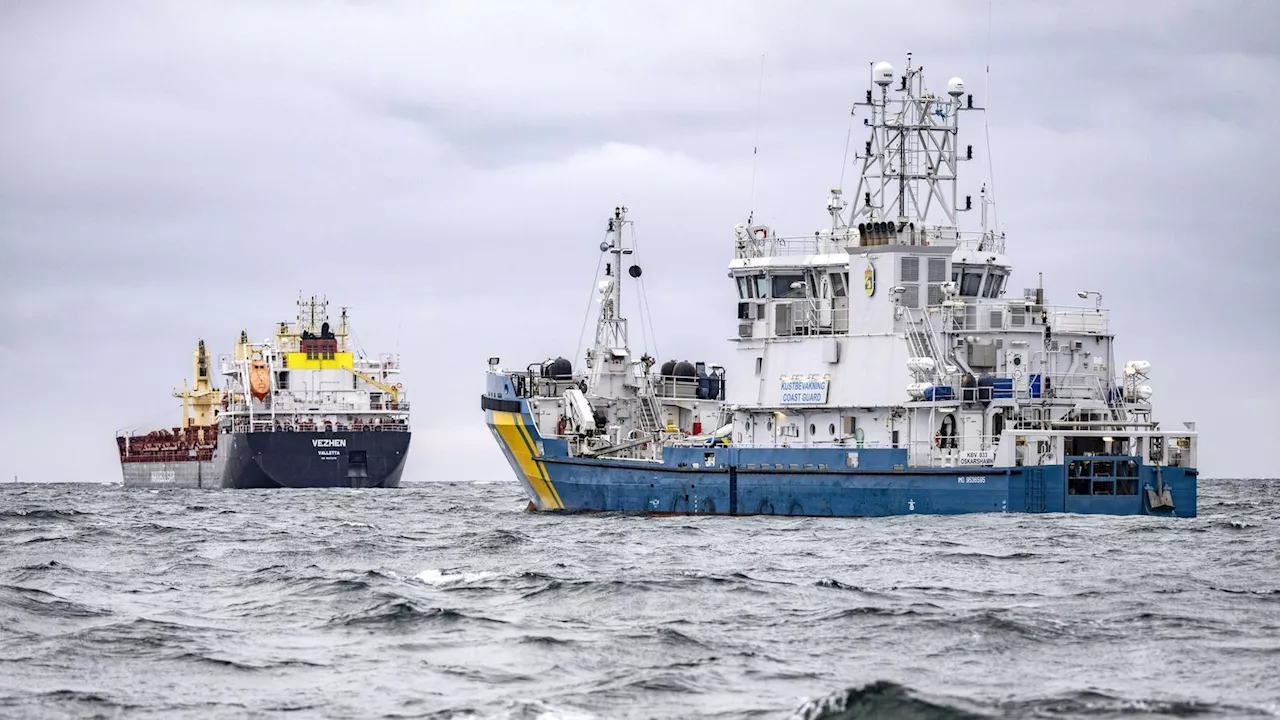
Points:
(825, 482)
(315, 459)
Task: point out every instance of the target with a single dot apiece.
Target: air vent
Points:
(910, 269)
(911, 294)
(937, 270)
(744, 329)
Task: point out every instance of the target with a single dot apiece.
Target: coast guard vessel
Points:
(881, 366)
(300, 410)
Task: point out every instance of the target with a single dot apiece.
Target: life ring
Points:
(937, 441)
(560, 427)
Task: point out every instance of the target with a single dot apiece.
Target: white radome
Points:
(882, 72)
(955, 87)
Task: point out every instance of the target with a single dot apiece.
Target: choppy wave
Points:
(451, 601)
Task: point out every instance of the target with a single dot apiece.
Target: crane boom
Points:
(390, 389)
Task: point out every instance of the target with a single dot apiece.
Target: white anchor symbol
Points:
(911, 504)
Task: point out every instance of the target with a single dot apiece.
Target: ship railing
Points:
(1071, 386)
(529, 384)
(678, 387)
(201, 454)
(336, 408)
(303, 426)
(974, 316)
(845, 239)
(798, 246)
(1092, 321)
(808, 317)
(957, 451)
(705, 440)
(981, 242)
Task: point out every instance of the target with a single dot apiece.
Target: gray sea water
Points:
(452, 601)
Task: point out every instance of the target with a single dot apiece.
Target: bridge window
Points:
(837, 285)
(971, 283)
(994, 281)
(782, 286)
(753, 287)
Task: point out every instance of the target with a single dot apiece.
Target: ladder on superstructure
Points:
(922, 342)
(649, 412)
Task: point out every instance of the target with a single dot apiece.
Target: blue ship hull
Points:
(824, 482)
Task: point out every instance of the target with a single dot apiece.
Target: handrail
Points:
(843, 238)
(310, 427)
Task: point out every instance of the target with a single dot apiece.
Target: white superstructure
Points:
(895, 327)
(621, 406)
(308, 378)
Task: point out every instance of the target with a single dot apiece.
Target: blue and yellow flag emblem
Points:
(869, 281)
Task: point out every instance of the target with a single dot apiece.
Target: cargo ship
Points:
(302, 410)
(305, 411)
(930, 388)
(185, 456)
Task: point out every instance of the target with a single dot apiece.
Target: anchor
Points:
(1159, 498)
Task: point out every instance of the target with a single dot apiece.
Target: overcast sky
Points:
(175, 170)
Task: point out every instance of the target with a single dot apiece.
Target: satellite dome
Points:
(882, 73)
(955, 87)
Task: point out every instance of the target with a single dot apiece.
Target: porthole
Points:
(813, 429)
(768, 425)
(832, 429)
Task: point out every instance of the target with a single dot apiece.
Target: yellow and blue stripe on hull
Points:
(513, 436)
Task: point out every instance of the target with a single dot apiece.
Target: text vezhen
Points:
(329, 442)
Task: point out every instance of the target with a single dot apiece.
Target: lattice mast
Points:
(910, 162)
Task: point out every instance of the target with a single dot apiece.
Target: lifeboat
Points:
(259, 379)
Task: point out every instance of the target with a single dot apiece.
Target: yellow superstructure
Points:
(300, 361)
(200, 402)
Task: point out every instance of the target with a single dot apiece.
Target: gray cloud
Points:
(173, 171)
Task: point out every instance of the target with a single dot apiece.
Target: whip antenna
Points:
(755, 149)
